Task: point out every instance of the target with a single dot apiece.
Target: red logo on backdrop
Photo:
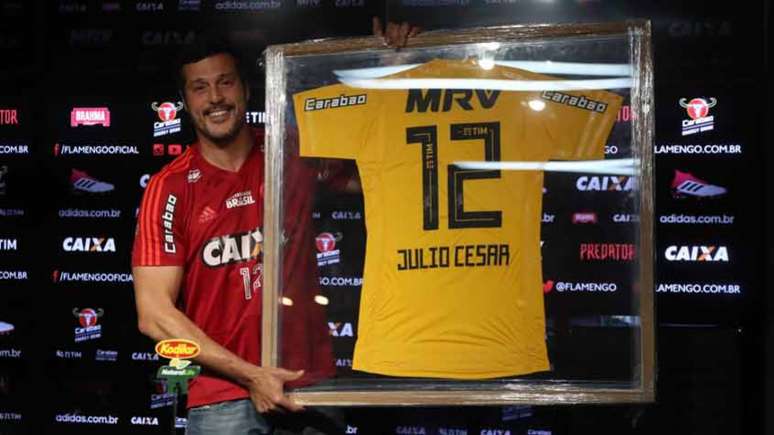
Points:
(173, 149)
(9, 117)
(325, 242)
(90, 116)
(584, 218)
(167, 111)
(548, 286)
(88, 316)
(607, 251)
(625, 114)
(698, 107)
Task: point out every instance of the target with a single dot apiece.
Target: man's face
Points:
(215, 98)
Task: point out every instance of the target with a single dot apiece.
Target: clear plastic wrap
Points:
(467, 220)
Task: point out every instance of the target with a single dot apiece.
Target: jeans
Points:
(235, 417)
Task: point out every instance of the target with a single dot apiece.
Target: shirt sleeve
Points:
(159, 239)
(578, 123)
(334, 121)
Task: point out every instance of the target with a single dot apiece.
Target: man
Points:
(197, 258)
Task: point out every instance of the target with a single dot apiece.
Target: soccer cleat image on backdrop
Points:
(84, 183)
(685, 184)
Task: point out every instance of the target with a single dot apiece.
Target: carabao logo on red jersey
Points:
(168, 220)
(232, 248)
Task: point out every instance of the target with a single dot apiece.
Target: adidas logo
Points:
(206, 215)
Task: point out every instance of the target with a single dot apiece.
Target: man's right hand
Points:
(156, 290)
(267, 392)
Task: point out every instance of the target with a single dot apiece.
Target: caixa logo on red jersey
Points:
(87, 318)
(326, 248)
(168, 122)
(698, 111)
(233, 248)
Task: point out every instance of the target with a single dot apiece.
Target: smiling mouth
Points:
(218, 114)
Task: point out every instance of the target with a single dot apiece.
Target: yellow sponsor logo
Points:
(177, 348)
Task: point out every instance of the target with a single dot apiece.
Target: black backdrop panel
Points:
(69, 192)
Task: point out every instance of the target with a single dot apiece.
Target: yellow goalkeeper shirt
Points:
(452, 285)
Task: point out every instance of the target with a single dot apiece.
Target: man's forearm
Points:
(172, 323)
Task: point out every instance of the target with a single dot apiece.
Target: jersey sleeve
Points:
(159, 239)
(334, 121)
(578, 123)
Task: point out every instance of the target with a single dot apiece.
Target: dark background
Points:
(60, 54)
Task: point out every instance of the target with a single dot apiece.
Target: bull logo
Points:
(698, 107)
(88, 316)
(167, 111)
(326, 242)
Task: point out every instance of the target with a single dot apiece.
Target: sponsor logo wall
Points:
(102, 149)
(707, 215)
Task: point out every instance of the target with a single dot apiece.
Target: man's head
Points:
(213, 88)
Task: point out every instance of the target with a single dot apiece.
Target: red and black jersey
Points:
(209, 221)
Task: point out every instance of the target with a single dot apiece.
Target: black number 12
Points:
(427, 136)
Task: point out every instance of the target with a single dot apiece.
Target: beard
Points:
(220, 139)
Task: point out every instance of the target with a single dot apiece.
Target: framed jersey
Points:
(482, 213)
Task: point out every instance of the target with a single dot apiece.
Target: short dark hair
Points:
(204, 46)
